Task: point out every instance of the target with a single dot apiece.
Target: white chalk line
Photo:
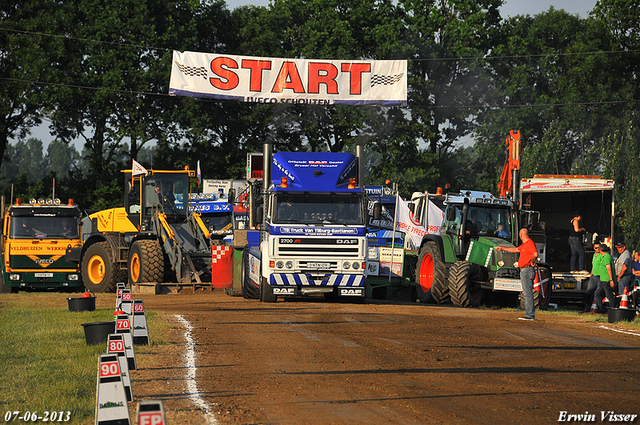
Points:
(618, 330)
(192, 387)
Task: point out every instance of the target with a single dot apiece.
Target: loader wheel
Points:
(266, 292)
(248, 290)
(464, 285)
(146, 262)
(430, 275)
(99, 272)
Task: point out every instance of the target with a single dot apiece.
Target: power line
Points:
(412, 105)
(439, 59)
(66, 37)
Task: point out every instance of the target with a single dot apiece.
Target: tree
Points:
(28, 63)
(447, 41)
(61, 158)
(543, 84)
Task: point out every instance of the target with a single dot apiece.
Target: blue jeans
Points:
(577, 253)
(526, 279)
(592, 285)
(625, 282)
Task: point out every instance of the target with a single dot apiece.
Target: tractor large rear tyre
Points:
(431, 275)
(464, 286)
(146, 262)
(100, 273)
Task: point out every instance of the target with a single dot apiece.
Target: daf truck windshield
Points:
(318, 209)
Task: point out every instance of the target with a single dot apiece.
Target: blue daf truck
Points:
(312, 239)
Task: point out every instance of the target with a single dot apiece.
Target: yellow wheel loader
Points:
(154, 238)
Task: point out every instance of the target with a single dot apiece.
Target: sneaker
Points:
(529, 319)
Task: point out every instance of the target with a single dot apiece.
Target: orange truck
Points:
(35, 237)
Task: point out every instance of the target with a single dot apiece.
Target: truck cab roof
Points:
(478, 198)
(314, 172)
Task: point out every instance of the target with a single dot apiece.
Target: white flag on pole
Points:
(137, 168)
(415, 230)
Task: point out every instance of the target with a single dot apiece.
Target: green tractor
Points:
(461, 263)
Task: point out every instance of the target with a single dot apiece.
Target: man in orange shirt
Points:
(528, 255)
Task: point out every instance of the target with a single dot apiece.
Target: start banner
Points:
(279, 80)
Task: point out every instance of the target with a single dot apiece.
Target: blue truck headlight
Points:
(355, 266)
(279, 264)
(346, 265)
(289, 264)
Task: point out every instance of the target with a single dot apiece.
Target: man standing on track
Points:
(528, 255)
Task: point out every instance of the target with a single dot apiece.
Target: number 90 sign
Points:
(109, 369)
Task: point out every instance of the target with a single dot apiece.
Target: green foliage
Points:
(99, 71)
(621, 155)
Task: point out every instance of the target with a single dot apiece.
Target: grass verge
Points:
(45, 362)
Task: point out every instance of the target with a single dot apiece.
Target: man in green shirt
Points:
(594, 278)
(607, 275)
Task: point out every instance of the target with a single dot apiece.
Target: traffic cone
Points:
(624, 301)
(594, 306)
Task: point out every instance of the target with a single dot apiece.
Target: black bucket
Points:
(82, 304)
(98, 332)
(620, 314)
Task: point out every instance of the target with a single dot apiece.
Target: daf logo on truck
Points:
(284, 291)
(346, 241)
(351, 292)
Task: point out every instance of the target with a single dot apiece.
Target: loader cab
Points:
(157, 192)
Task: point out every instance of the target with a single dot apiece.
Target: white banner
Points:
(434, 216)
(279, 80)
(407, 223)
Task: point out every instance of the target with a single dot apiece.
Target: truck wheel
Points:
(7, 289)
(98, 268)
(464, 288)
(248, 290)
(266, 292)
(430, 275)
(146, 262)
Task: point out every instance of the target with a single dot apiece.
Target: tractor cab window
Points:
(166, 194)
(134, 196)
(452, 219)
(492, 222)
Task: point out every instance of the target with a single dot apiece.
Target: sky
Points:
(510, 8)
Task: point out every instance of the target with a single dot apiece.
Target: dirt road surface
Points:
(304, 362)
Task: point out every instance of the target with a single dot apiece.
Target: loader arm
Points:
(507, 183)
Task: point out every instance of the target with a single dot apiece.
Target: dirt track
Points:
(335, 363)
